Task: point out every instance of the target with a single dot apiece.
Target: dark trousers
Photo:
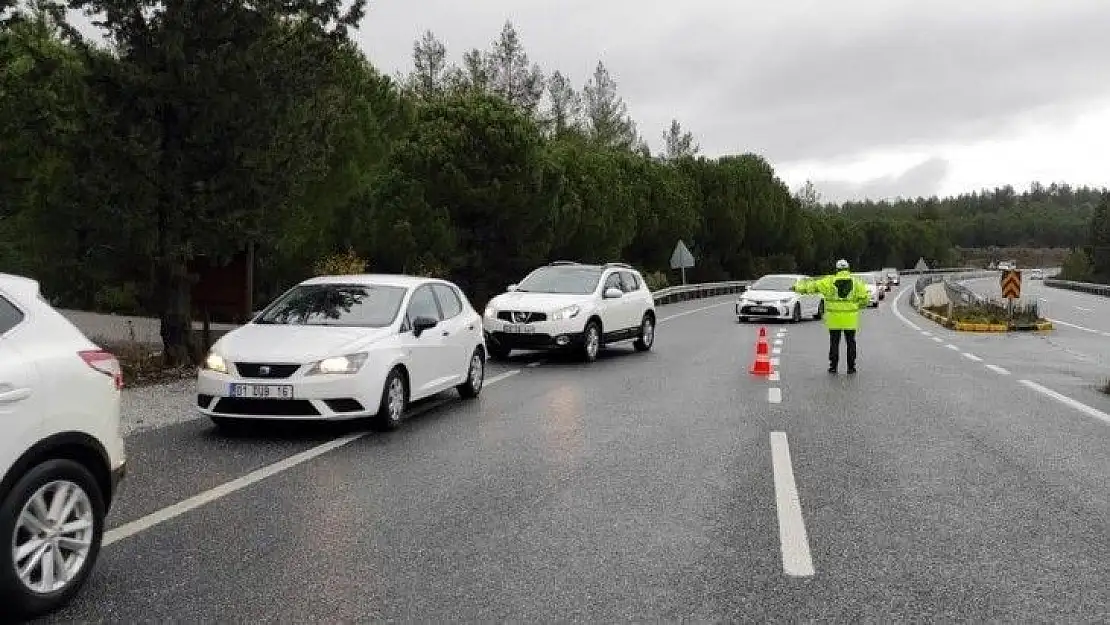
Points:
(834, 347)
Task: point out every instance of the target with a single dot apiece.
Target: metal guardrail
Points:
(1085, 287)
(685, 292)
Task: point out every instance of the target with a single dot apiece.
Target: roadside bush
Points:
(656, 280)
(994, 313)
(144, 364)
(1077, 267)
(341, 264)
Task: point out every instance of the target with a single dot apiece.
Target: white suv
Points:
(61, 453)
(572, 305)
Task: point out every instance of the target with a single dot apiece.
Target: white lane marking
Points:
(938, 339)
(897, 313)
(1083, 309)
(952, 347)
(774, 395)
(774, 362)
(1064, 399)
(128, 530)
(776, 351)
(1072, 325)
(924, 333)
(972, 357)
(997, 369)
(696, 310)
(796, 559)
(535, 364)
(774, 377)
(778, 341)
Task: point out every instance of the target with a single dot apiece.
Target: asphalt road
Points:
(664, 486)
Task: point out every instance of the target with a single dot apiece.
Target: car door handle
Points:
(14, 395)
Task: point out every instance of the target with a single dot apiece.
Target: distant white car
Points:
(873, 289)
(345, 347)
(1036, 274)
(771, 297)
(61, 452)
(572, 305)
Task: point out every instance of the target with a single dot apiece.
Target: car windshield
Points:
(774, 283)
(571, 280)
(866, 277)
(344, 305)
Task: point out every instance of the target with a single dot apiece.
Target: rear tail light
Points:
(105, 363)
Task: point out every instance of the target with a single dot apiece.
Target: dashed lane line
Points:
(774, 362)
(1068, 401)
(796, 558)
(158, 517)
(952, 347)
(937, 339)
(696, 310)
(774, 377)
(972, 357)
(774, 395)
(997, 369)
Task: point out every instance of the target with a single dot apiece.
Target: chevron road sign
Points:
(1011, 284)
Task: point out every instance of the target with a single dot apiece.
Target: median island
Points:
(957, 308)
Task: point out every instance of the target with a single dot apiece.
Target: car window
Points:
(10, 316)
(448, 300)
(629, 282)
(774, 283)
(561, 279)
(613, 281)
(423, 304)
(343, 305)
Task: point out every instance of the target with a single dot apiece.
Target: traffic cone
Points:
(762, 365)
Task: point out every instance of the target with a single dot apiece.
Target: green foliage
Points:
(341, 264)
(1077, 267)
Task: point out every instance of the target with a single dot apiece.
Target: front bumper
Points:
(764, 311)
(328, 398)
(538, 335)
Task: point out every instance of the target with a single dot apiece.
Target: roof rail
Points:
(561, 262)
(621, 265)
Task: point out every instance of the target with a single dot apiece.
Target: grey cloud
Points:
(921, 180)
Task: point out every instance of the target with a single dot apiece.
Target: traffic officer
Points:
(844, 295)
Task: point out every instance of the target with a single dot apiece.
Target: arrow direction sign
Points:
(1011, 284)
(681, 258)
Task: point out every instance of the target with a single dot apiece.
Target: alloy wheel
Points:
(53, 537)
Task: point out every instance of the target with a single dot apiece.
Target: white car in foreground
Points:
(572, 305)
(771, 297)
(61, 452)
(345, 347)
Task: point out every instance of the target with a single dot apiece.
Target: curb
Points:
(960, 326)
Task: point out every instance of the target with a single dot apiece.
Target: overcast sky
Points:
(875, 98)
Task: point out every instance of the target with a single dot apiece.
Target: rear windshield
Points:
(774, 283)
(346, 305)
(570, 280)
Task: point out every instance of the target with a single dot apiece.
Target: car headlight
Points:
(339, 365)
(570, 312)
(215, 362)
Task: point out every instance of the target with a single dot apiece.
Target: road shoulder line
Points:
(796, 558)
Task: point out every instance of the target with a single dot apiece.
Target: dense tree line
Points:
(204, 128)
(1091, 262)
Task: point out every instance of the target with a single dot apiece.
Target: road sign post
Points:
(681, 258)
(1011, 288)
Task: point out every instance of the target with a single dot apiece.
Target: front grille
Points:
(769, 310)
(344, 405)
(265, 371)
(266, 407)
(516, 316)
(203, 400)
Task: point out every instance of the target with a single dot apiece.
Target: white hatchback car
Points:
(572, 305)
(874, 291)
(771, 297)
(61, 451)
(345, 347)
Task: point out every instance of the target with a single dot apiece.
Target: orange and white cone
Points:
(762, 365)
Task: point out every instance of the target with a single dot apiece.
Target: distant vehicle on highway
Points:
(1036, 274)
(890, 275)
(873, 289)
(345, 347)
(61, 453)
(1007, 265)
(772, 297)
(569, 305)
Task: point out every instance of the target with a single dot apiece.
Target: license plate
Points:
(515, 328)
(760, 309)
(262, 391)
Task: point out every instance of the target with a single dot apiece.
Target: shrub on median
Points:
(990, 313)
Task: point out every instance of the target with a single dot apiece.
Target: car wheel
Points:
(797, 316)
(497, 352)
(395, 398)
(820, 310)
(475, 376)
(235, 427)
(647, 334)
(591, 341)
(51, 525)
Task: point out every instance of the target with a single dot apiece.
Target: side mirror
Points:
(613, 293)
(422, 324)
(512, 287)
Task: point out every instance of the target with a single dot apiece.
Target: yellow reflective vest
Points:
(844, 295)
